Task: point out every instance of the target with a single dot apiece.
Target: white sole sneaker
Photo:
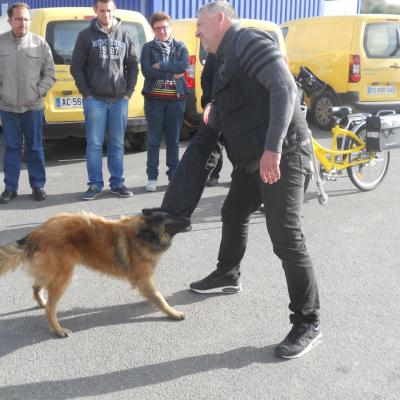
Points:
(222, 289)
(315, 342)
(151, 186)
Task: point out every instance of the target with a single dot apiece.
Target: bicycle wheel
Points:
(369, 175)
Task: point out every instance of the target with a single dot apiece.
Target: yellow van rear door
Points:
(380, 69)
(64, 102)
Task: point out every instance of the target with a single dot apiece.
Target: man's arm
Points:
(78, 64)
(47, 72)
(261, 59)
(131, 65)
(206, 79)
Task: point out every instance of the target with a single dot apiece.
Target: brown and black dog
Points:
(129, 248)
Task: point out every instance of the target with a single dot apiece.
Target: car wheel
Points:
(136, 141)
(320, 109)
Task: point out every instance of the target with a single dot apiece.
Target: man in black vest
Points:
(266, 139)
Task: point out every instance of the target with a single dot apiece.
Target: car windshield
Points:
(61, 37)
(382, 40)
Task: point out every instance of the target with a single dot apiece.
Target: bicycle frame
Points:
(329, 158)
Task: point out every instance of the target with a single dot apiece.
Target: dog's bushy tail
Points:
(11, 255)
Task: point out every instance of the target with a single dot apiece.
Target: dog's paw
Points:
(63, 333)
(178, 316)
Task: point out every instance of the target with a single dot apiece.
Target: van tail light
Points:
(190, 73)
(354, 69)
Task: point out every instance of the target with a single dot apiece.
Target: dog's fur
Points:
(128, 248)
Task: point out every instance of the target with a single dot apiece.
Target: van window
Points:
(382, 40)
(284, 31)
(61, 37)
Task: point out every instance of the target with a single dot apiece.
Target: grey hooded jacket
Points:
(26, 72)
(104, 65)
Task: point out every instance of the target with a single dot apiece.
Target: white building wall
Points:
(340, 7)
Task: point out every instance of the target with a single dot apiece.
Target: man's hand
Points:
(206, 113)
(178, 76)
(156, 65)
(269, 167)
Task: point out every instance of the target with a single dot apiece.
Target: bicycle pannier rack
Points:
(383, 132)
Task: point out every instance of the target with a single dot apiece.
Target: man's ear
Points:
(220, 17)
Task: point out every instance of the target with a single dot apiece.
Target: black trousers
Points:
(283, 209)
(187, 184)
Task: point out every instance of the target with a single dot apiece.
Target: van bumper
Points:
(352, 99)
(77, 129)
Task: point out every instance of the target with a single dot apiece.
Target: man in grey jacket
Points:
(104, 66)
(26, 75)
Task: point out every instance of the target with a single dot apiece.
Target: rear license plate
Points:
(382, 90)
(69, 102)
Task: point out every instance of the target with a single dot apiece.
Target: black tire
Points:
(369, 175)
(320, 105)
(137, 141)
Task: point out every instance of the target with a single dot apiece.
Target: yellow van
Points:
(63, 113)
(357, 56)
(184, 30)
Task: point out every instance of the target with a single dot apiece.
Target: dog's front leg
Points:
(148, 290)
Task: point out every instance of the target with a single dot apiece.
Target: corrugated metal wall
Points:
(274, 10)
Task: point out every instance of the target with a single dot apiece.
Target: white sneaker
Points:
(151, 186)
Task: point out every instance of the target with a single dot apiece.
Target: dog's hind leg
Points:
(55, 289)
(38, 294)
(148, 290)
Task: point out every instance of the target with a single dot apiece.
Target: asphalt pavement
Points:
(121, 348)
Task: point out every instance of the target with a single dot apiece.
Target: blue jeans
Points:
(163, 116)
(102, 116)
(17, 126)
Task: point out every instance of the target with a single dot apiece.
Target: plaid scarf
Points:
(164, 47)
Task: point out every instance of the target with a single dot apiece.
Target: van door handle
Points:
(395, 66)
(67, 92)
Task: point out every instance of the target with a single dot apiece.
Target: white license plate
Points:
(382, 90)
(69, 102)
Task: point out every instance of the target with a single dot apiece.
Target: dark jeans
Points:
(187, 184)
(163, 116)
(283, 209)
(17, 126)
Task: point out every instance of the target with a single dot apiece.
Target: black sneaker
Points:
(216, 283)
(38, 194)
(212, 182)
(91, 193)
(122, 191)
(7, 195)
(300, 340)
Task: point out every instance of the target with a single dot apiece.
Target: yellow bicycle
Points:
(348, 151)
